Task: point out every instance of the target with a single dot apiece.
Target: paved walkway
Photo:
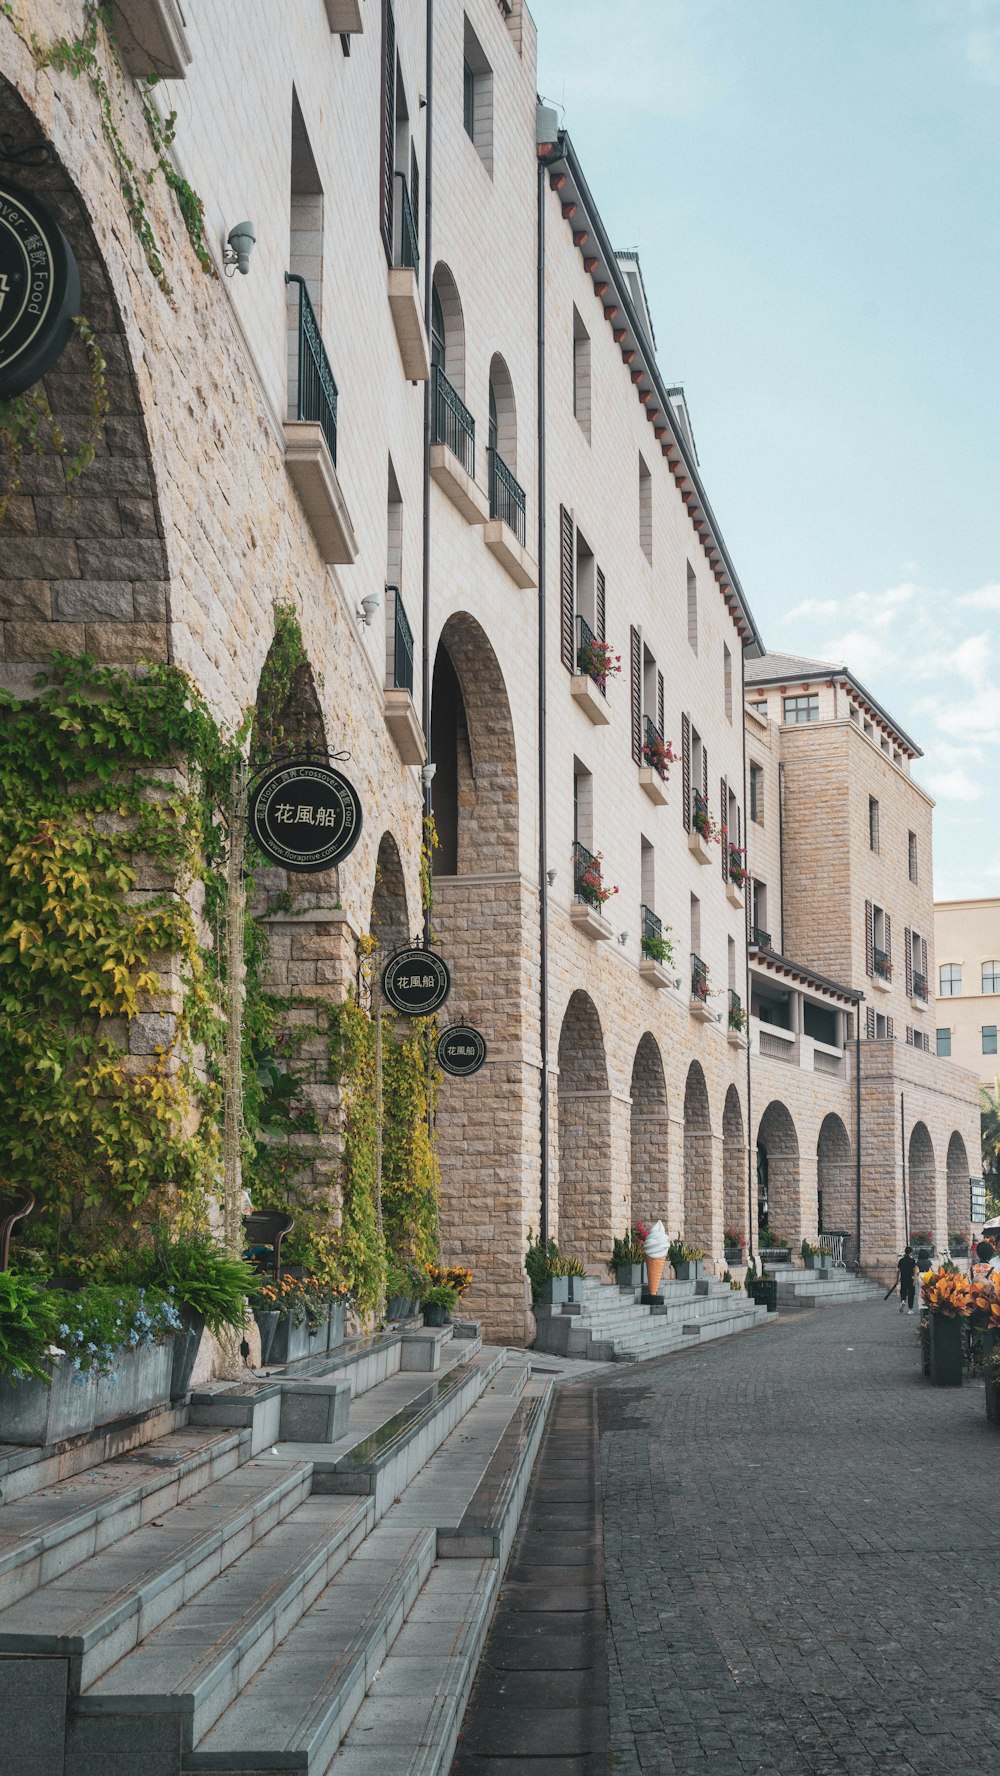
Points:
(799, 1537)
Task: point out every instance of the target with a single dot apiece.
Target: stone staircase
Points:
(610, 1324)
(798, 1289)
(298, 1577)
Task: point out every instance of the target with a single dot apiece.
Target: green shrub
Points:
(540, 1262)
(29, 1325)
(195, 1271)
(679, 1253)
(440, 1296)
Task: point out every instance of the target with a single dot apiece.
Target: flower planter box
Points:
(734, 894)
(576, 1288)
(589, 697)
(946, 1350)
(765, 1293)
(654, 785)
(629, 1276)
(439, 1316)
(689, 1271)
(319, 1339)
(291, 1339)
(993, 1402)
(737, 1038)
(699, 847)
(267, 1325)
(592, 923)
(813, 1262)
(554, 1290)
(775, 1255)
(187, 1343)
(33, 1413)
(734, 1255)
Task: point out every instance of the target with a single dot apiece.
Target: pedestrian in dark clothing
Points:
(906, 1269)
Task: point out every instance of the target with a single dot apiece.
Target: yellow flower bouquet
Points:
(946, 1292)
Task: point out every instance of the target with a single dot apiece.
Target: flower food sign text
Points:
(305, 816)
(39, 290)
(416, 982)
(461, 1051)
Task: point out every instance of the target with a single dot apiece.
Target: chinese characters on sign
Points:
(305, 816)
(39, 290)
(416, 982)
(461, 1051)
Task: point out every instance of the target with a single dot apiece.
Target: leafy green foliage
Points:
(440, 1296)
(541, 1262)
(197, 1273)
(29, 1324)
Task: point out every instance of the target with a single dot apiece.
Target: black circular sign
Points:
(461, 1051)
(39, 290)
(305, 816)
(416, 982)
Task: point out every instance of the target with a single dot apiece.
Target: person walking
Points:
(906, 1270)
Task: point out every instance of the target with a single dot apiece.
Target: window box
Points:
(500, 539)
(879, 981)
(408, 320)
(314, 478)
(737, 1038)
(344, 17)
(655, 973)
(587, 919)
(403, 724)
(653, 784)
(590, 698)
(734, 894)
(699, 847)
(702, 1013)
(150, 38)
(454, 480)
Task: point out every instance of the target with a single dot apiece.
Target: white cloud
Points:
(812, 607)
(986, 598)
(953, 786)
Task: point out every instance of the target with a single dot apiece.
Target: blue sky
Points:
(814, 189)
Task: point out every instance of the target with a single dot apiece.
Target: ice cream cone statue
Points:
(655, 1253)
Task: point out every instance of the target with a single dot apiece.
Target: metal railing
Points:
(776, 1048)
(699, 979)
(506, 495)
(586, 647)
(654, 747)
(453, 423)
(920, 986)
(759, 938)
(824, 1063)
(587, 881)
(737, 866)
(407, 240)
(737, 1016)
(652, 934)
(832, 1245)
(316, 390)
(400, 667)
(881, 965)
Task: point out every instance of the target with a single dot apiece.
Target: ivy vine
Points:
(29, 427)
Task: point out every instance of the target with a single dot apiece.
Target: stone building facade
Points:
(967, 948)
(492, 526)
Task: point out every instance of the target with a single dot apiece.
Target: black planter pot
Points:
(992, 1402)
(765, 1293)
(397, 1307)
(267, 1324)
(946, 1350)
(436, 1316)
(187, 1343)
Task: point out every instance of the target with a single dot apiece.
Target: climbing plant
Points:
(29, 427)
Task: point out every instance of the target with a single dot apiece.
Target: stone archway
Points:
(778, 1142)
(922, 1184)
(734, 1167)
(959, 1201)
(447, 310)
(699, 1220)
(390, 923)
(586, 1222)
(485, 920)
(649, 1134)
(835, 1179)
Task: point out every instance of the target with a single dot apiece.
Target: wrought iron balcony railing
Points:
(652, 935)
(591, 655)
(399, 669)
(699, 979)
(453, 423)
(737, 1015)
(920, 986)
(588, 884)
(406, 237)
(881, 965)
(506, 495)
(759, 938)
(654, 747)
(316, 391)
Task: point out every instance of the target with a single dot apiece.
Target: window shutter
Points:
(724, 843)
(388, 125)
(601, 611)
(567, 598)
(635, 669)
(869, 948)
(870, 1023)
(889, 1029)
(748, 892)
(415, 189)
(908, 960)
(659, 701)
(923, 958)
(888, 944)
(686, 769)
(910, 1040)
(849, 1026)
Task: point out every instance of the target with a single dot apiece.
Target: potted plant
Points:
(738, 1019)
(598, 660)
(946, 1296)
(549, 1282)
(658, 752)
(685, 1260)
(657, 947)
(589, 883)
(993, 1390)
(208, 1287)
(762, 1289)
(625, 1262)
(734, 1241)
(958, 1246)
(401, 1291)
(575, 1272)
(438, 1304)
(810, 1255)
(702, 820)
(774, 1248)
(738, 872)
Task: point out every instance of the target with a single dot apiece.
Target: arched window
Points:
(437, 331)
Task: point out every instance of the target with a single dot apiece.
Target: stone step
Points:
(46, 1534)
(659, 1339)
(189, 1670)
(100, 1611)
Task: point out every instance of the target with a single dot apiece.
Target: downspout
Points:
(902, 1154)
(425, 625)
(751, 1143)
(781, 853)
(857, 1133)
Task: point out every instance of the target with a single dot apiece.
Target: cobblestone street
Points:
(798, 1535)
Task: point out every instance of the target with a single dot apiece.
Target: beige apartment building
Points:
(858, 1117)
(967, 947)
(430, 416)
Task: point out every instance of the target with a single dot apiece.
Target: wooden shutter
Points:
(600, 612)
(923, 959)
(659, 703)
(388, 125)
(908, 960)
(724, 843)
(849, 1026)
(889, 1030)
(910, 1041)
(415, 190)
(567, 590)
(686, 769)
(888, 944)
(635, 686)
(870, 1023)
(869, 947)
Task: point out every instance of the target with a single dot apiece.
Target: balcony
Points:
(736, 875)
(657, 951)
(919, 988)
(344, 17)
(700, 1009)
(657, 756)
(311, 438)
(881, 969)
(737, 1022)
(504, 534)
(400, 714)
(759, 938)
(701, 828)
(589, 894)
(404, 287)
(588, 682)
(453, 449)
(150, 38)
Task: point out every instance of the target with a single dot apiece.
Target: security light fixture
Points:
(365, 612)
(427, 774)
(623, 938)
(550, 876)
(240, 243)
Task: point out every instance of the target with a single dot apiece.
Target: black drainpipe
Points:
(425, 648)
(857, 1133)
(748, 889)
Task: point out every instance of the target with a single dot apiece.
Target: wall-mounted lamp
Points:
(623, 938)
(365, 612)
(427, 774)
(677, 983)
(240, 243)
(550, 876)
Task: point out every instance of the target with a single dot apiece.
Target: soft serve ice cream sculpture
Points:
(655, 1250)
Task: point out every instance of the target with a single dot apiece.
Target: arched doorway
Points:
(472, 744)
(959, 1202)
(699, 1221)
(779, 1191)
(584, 1135)
(447, 329)
(390, 923)
(649, 1134)
(734, 1169)
(922, 1186)
(836, 1184)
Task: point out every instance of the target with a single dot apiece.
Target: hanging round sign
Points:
(416, 982)
(39, 290)
(305, 816)
(461, 1051)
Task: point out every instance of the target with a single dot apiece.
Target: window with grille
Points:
(873, 823)
(645, 510)
(759, 707)
(802, 709)
(989, 1039)
(944, 1044)
(757, 794)
(581, 374)
(727, 680)
(911, 843)
(991, 977)
(950, 978)
(692, 607)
